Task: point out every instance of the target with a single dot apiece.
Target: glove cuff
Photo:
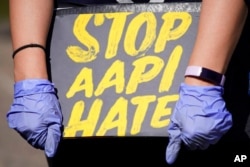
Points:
(201, 90)
(33, 86)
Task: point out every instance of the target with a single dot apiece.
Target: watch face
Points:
(211, 76)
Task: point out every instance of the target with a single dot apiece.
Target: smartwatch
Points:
(205, 74)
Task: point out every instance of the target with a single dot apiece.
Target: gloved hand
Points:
(36, 114)
(200, 118)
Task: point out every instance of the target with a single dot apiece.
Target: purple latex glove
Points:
(36, 114)
(200, 118)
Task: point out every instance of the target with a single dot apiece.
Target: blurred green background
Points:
(4, 9)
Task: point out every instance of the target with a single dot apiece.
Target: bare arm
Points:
(35, 112)
(30, 21)
(220, 26)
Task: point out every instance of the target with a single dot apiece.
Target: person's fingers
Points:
(53, 140)
(192, 144)
(172, 150)
(174, 144)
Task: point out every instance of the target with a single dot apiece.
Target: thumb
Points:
(174, 145)
(53, 140)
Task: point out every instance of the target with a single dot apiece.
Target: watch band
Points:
(206, 74)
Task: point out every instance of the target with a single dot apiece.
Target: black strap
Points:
(32, 45)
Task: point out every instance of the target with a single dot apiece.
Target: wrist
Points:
(19, 76)
(189, 80)
(30, 64)
(203, 76)
(26, 70)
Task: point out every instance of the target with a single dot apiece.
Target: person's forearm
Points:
(29, 22)
(220, 26)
